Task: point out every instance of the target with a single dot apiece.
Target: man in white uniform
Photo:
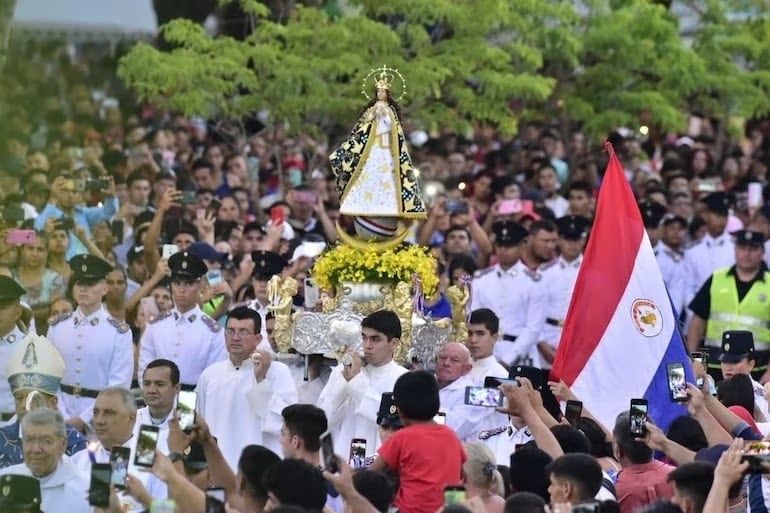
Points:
(483, 333)
(97, 348)
(670, 255)
(160, 386)
(10, 335)
(251, 374)
(266, 265)
(351, 398)
(513, 292)
(738, 358)
(559, 283)
(63, 486)
(185, 335)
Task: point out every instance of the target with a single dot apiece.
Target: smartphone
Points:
(480, 396)
(312, 293)
(327, 453)
(163, 506)
(494, 382)
(677, 385)
(189, 198)
(169, 250)
(533, 374)
(185, 409)
(214, 206)
(454, 495)
(215, 499)
(13, 214)
(357, 457)
(214, 277)
(216, 492)
(65, 223)
(119, 459)
(456, 206)
(508, 207)
(97, 184)
(573, 411)
(117, 230)
(756, 453)
(99, 489)
(440, 418)
(638, 416)
(23, 237)
(586, 507)
(701, 358)
(755, 195)
(277, 215)
(144, 455)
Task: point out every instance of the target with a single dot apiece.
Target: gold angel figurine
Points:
(458, 296)
(287, 288)
(404, 308)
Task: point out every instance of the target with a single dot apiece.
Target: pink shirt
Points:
(639, 485)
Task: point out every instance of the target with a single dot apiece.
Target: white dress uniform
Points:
(484, 367)
(154, 486)
(559, 282)
(8, 343)
(192, 340)
(351, 406)
(98, 352)
(465, 420)
(63, 491)
(236, 422)
(759, 398)
(518, 298)
(503, 439)
(705, 257)
(143, 417)
(671, 263)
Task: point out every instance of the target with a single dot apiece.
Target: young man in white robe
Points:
(483, 333)
(351, 398)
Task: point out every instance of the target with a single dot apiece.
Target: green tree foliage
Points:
(7, 7)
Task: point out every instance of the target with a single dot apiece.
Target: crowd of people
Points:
(135, 256)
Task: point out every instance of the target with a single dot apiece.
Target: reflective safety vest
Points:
(727, 313)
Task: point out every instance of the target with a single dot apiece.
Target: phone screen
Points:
(358, 453)
(480, 396)
(677, 386)
(327, 453)
(185, 409)
(169, 250)
(99, 490)
(508, 207)
(145, 446)
(312, 293)
(454, 495)
(119, 458)
(573, 411)
(117, 230)
(638, 416)
(214, 277)
(189, 198)
(494, 382)
(24, 237)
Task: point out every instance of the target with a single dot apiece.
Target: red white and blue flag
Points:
(621, 329)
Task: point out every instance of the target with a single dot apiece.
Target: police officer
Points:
(736, 297)
(738, 357)
(514, 293)
(559, 283)
(10, 334)
(670, 256)
(184, 335)
(266, 265)
(97, 348)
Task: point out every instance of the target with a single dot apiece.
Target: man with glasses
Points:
(242, 397)
(185, 335)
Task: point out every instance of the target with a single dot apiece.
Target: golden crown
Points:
(383, 78)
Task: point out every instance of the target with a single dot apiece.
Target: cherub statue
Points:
(281, 307)
(328, 303)
(404, 308)
(458, 296)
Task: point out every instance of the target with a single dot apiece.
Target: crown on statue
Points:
(383, 78)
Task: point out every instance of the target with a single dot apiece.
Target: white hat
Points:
(309, 249)
(35, 364)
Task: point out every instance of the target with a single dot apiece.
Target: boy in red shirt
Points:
(425, 455)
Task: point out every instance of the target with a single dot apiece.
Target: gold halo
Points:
(367, 245)
(384, 68)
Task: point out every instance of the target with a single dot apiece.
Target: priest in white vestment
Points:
(242, 398)
(63, 486)
(351, 398)
(483, 333)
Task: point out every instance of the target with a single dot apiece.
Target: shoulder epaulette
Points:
(548, 265)
(483, 272)
(211, 323)
(693, 244)
(121, 326)
(155, 318)
(53, 321)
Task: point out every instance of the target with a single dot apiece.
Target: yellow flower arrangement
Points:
(345, 263)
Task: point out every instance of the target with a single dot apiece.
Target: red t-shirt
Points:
(427, 457)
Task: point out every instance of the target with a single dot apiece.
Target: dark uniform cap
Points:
(88, 268)
(737, 345)
(267, 264)
(10, 290)
(135, 253)
(718, 202)
(508, 233)
(652, 213)
(387, 416)
(19, 493)
(572, 227)
(186, 266)
(673, 218)
(749, 238)
(194, 457)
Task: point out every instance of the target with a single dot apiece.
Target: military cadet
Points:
(505, 438)
(10, 334)
(652, 213)
(714, 250)
(735, 298)
(514, 293)
(34, 366)
(266, 265)
(184, 335)
(97, 349)
(738, 357)
(670, 256)
(559, 283)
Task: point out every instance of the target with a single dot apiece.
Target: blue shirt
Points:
(441, 310)
(10, 444)
(87, 217)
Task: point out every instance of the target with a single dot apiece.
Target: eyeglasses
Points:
(42, 441)
(242, 332)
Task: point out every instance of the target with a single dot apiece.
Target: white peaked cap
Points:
(35, 364)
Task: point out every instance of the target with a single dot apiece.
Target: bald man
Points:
(453, 366)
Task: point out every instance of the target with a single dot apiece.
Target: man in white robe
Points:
(63, 486)
(249, 372)
(483, 328)
(351, 398)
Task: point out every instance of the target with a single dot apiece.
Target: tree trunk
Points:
(7, 8)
